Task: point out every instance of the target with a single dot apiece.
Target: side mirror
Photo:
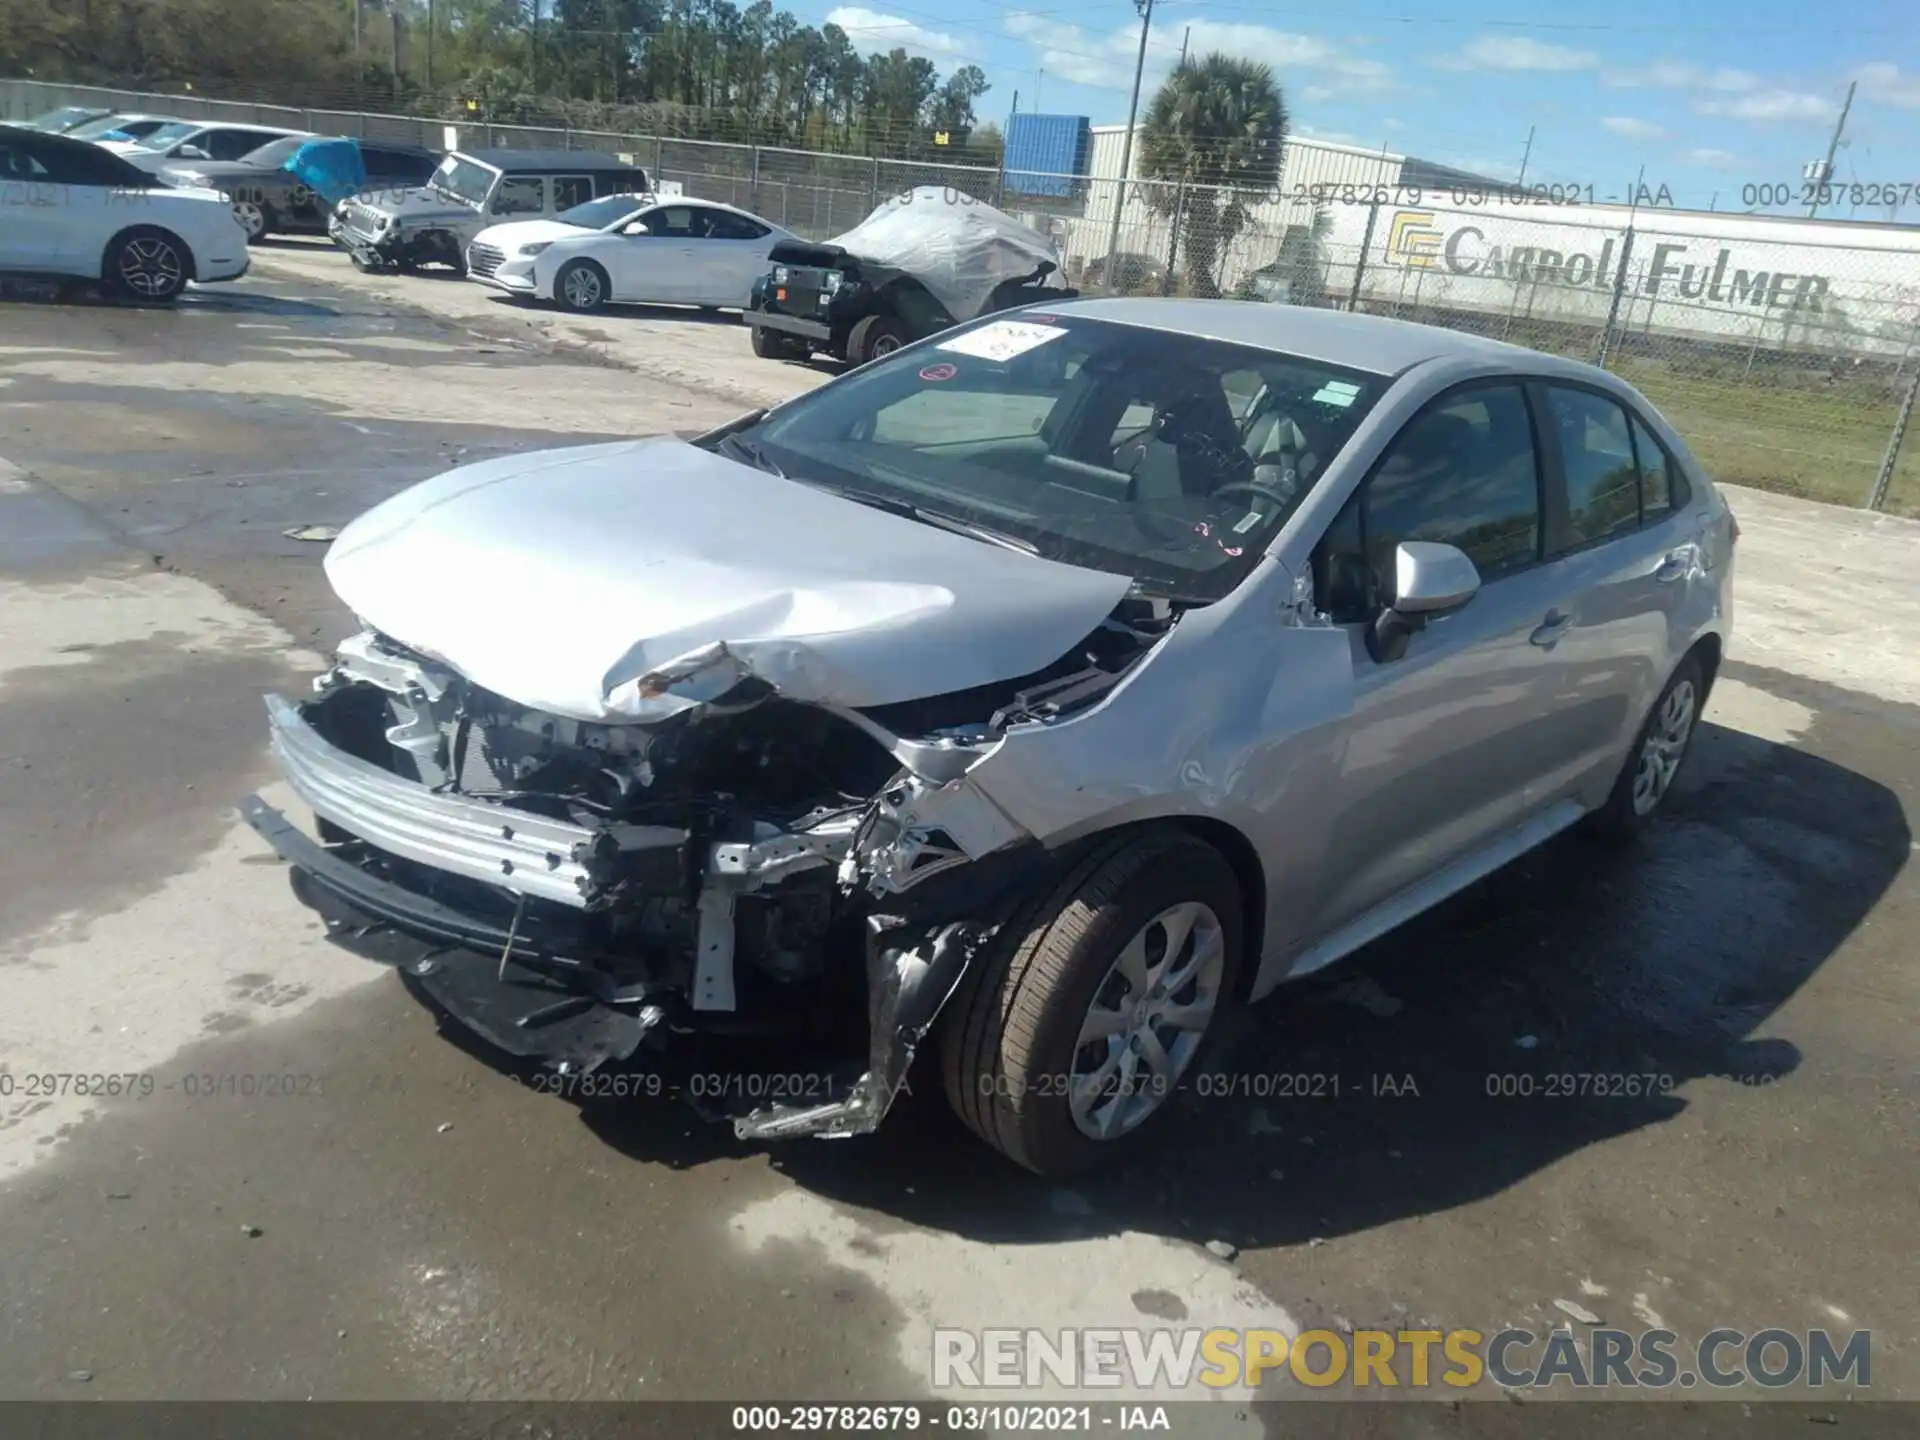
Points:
(1430, 580)
(192, 152)
(637, 227)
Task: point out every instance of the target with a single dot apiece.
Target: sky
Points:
(1710, 102)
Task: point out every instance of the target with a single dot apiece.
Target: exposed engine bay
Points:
(751, 864)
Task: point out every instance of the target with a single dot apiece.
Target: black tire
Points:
(1625, 816)
(581, 286)
(146, 264)
(772, 345)
(1007, 1039)
(874, 338)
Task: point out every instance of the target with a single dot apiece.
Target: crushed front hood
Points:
(634, 580)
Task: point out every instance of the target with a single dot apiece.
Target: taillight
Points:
(1733, 528)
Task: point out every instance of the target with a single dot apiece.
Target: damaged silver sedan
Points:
(1034, 695)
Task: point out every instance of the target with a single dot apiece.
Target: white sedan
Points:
(629, 248)
(73, 210)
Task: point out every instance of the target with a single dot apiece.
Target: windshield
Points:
(63, 117)
(276, 152)
(464, 179)
(105, 125)
(599, 214)
(1167, 457)
(169, 135)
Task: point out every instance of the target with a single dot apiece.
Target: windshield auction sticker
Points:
(1001, 340)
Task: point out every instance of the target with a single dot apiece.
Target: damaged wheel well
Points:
(1707, 650)
(1252, 878)
(1240, 856)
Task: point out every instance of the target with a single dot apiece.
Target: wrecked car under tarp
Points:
(730, 791)
(960, 248)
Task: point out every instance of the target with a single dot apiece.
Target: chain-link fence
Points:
(1788, 352)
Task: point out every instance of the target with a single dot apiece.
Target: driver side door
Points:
(654, 257)
(1444, 743)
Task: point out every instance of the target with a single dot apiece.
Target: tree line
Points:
(701, 69)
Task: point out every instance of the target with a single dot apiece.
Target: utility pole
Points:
(356, 34)
(1185, 35)
(1833, 148)
(1526, 155)
(1039, 76)
(430, 29)
(1126, 148)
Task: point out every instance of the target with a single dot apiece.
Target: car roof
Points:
(516, 162)
(1333, 337)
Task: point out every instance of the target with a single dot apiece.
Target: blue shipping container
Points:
(1043, 151)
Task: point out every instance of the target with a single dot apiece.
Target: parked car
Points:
(121, 126)
(270, 199)
(471, 190)
(923, 261)
(75, 210)
(60, 120)
(629, 248)
(1041, 691)
(190, 140)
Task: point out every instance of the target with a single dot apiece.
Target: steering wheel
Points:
(1257, 487)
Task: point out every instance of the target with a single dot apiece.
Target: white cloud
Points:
(1884, 82)
(1768, 105)
(1628, 128)
(1393, 124)
(1106, 58)
(872, 31)
(1707, 155)
(1684, 75)
(1516, 52)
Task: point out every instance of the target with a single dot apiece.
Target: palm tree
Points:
(1216, 129)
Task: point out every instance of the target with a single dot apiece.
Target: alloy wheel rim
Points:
(885, 345)
(151, 267)
(1661, 751)
(583, 289)
(252, 219)
(1146, 1021)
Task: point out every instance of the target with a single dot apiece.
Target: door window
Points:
(1463, 473)
(1596, 451)
(729, 226)
(571, 190)
(520, 195)
(232, 144)
(17, 164)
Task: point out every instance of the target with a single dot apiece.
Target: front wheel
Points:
(771, 345)
(581, 286)
(256, 217)
(875, 338)
(149, 265)
(1073, 1032)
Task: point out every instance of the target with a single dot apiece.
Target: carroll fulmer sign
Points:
(1695, 269)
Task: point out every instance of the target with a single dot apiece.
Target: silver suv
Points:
(471, 190)
(1038, 692)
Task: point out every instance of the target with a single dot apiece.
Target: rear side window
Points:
(1597, 452)
(622, 182)
(17, 164)
(571, 190)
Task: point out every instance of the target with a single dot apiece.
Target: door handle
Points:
(1674, 565)
(1551, 629)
